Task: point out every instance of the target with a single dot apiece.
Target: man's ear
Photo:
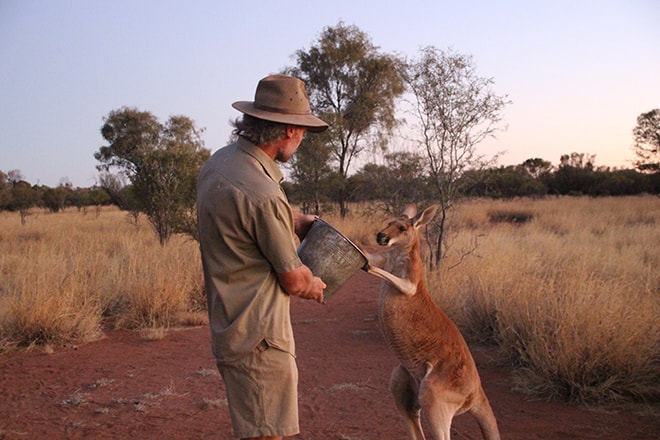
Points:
(290, 131)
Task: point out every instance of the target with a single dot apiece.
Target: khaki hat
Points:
(282, 98)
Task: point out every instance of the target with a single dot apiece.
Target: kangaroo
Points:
(437, 375)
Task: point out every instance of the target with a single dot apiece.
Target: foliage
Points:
(455, 109)
(352, 86)
(119, 192)
(84, 197)
(161, 162)
(578, 175)
(400, 181)
(403, 179)
(582, 161)
(55, 198)
(311, 170)
(5, 191)
(502, 182)
(647, 141)
(537, 167)
(23, 197)
(18, 195)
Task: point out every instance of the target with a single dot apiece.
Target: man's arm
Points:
(302, 283)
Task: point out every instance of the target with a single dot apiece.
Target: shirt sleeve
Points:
(274, 235)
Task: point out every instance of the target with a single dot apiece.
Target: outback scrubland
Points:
(567, 288)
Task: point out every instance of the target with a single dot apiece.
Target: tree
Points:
(353, 87)
(81, 198)
(311, 171)
(23, 195)
(582, 161)
(396, 184)
(119, 192)
(647, 141)
(454, 110)
(537, 167)
(161, 162)
(502, 182)
(55, 198)
(575, 175)
(5, 191)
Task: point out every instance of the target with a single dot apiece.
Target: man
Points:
(250, 262)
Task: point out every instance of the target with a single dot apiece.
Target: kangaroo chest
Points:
(409, 328)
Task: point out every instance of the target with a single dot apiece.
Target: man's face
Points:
(291, 146)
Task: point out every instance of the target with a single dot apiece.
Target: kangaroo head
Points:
(403, 231)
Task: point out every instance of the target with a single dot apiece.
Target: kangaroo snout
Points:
(382, 238)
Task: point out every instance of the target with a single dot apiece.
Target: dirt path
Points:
(126, 387)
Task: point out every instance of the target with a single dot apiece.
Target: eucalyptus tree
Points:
(353, 87)
(162, 163)
(454, 110)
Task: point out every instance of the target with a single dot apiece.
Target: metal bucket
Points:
(330, 255)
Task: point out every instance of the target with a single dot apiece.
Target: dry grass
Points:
(361, 225)
(62, 274)
(571, 294)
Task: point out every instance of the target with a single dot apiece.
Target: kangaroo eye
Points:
(402, 228)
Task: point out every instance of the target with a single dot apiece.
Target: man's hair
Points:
(258, 131)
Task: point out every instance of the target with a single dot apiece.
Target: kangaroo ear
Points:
(409, 212)
(426, 216)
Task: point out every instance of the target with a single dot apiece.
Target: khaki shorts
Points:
(262, 393)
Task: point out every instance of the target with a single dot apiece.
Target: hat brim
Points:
(312, 123)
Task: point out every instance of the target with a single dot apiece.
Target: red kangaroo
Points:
(437, 376)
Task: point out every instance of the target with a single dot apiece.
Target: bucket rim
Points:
(348, 240)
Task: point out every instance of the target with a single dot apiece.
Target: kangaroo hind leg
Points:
(404, 390)
(439, 406)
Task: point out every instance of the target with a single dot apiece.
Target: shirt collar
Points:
(268, 164)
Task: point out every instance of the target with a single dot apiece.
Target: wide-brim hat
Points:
(282, 98)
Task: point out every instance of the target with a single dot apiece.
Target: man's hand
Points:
(315, 291)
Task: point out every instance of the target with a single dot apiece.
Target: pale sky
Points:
(578, 73)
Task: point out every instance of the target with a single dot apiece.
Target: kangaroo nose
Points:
(382, 239)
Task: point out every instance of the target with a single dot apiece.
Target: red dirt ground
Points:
(124, 386)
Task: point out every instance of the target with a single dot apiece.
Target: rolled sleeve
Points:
(275, 235)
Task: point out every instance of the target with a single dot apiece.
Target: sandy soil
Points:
(124, 386)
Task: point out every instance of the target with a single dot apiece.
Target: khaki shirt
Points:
(246, 236)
